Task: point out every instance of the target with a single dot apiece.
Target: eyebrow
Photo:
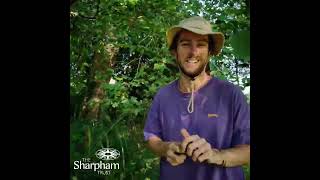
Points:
(188, 40)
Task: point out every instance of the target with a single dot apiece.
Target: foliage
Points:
(129, 36)
(241, 44)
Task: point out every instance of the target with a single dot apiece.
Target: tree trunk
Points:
(95, 94)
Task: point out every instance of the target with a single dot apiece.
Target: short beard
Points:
(194, 74)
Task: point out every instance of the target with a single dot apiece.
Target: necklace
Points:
(182, 89)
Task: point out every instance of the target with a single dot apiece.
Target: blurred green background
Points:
(119, 59)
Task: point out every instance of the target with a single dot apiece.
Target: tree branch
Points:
(237, 71)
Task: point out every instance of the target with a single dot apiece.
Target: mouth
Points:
(192, 61)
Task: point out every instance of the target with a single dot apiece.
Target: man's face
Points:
(192, 53)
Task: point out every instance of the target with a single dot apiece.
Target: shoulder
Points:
(228, 90)
(226, 86)
(167, 89)
(232, 95)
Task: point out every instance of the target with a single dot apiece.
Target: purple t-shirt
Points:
(221, 115)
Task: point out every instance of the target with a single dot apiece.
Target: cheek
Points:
(183, 50)
(181, 55)
(205, 55)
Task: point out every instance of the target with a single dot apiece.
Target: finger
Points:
(196, 144)
(204, 156)
(171, 161)
(188, 140)
(176, 160)
(199, 150)
(175, 157)
(179, 153)
(193, 146)
(203, 149)
(181, 158)
(172, 156)
(176, 147)
(185, 133)
(176, 163)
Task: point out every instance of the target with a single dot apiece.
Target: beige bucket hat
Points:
(197, 25)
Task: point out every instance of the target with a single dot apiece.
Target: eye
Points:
(202, 45)
(185, 44)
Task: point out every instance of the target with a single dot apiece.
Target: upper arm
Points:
(152, 126)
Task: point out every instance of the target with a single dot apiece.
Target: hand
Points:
(199, 149)
(174, 153)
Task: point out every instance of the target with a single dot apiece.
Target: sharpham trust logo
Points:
(102, 168)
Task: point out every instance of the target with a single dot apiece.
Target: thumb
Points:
(184, 133)
(175, 148)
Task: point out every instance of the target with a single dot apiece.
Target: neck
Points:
(200, 81)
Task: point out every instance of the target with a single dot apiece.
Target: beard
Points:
(196, 72)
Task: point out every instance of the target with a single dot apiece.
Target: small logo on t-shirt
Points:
(212, 115)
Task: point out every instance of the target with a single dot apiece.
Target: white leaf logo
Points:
(108, 154)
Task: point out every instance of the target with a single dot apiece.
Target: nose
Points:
(194, 50)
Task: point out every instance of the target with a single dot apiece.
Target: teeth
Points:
(192, 61)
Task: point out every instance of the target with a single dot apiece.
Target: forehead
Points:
(188, 35)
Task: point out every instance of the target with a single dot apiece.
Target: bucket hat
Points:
(200, 26)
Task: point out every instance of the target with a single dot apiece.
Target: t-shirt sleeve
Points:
(241, 115)
(152, 125)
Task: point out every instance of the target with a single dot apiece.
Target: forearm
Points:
(157, 146)
(236, 156)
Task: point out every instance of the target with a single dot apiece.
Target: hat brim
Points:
(218, 37)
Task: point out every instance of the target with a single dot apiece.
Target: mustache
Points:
(192, 58)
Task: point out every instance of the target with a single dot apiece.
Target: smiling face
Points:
(192, 53)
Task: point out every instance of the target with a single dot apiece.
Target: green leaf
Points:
(240, 42)
(115, 104)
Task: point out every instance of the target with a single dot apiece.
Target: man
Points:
(199, 125)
